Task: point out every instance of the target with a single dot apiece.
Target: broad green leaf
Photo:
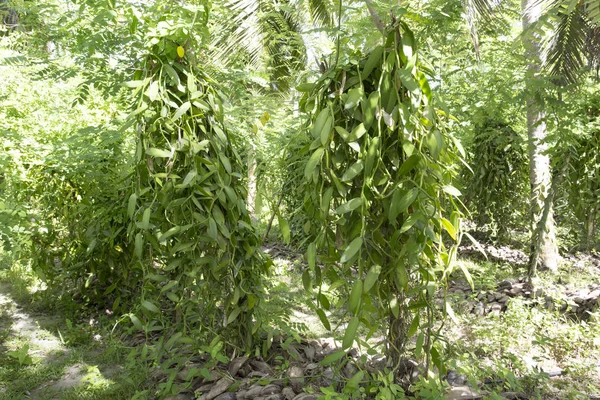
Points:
(146, 218)
(350, 334)
(180, 51)
(414, 325)
(401, 202)
(354, 382)
(182, 110)
(409, 164)
(409, 222)
(370, 109)
(234, 314)
(173, 231)
(419, 345)
(148, 305)
(408, 80)
(311, 255)
(306, 280)
(212, 228)
(351, 250)
(371, 278)
(357, 133)
(313, 161)
(351, 172)
(354, 96)
(324, 301)
(324, 319)
(451, 190)
(449, 228)
(465, 271)
(355, 296)
(373, 61)
(333, 357)
(326, 131)
(189, 178)
(326, 200)
(343, 133)
(401, 274)
(139, 245)
(169, 286)
(320, 122)
(131, 205)
(284, 226)
(349, 206)
(136, 322)
(154, 152)
(134, 84)
(305, 87)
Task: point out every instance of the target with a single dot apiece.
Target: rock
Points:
(288, 393)
(254, 391)
(205, 388)
(515, 291)
(507, 283)
(227, 396)
(276, 396)
(481, 296)
(241, 394)
(349, 370)
(310, 368)
(221, 386)
(578, 300)
(256, 374)
(503, 299)
(270, 389)
(496, 309)
(328, 376)
(236, 364)
(309, 352)
(261, 366)
(306, 396)
(479, 309)
(455, 379)
(462, 393)
(296, 376)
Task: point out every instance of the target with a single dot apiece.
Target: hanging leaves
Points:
(387, 168)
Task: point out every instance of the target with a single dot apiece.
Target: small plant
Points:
(21, 355)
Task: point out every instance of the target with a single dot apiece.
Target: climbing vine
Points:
(385, 220)
(193, 239)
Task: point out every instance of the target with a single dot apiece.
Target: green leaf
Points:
(419, 345)
(414, 326)
(154, 152)
(355, 296)
(320, 122)
(354, 96)
(333, 357)
(306, 280)
(350, 334)
(182, 110)
(146, 218)
(326, 131)
(311, 255)
(349, 206)
(234, 314)
(139, 245)
(174, 230)
(465, 271)
(149, 306)
(449, 228)
(351, 250)
(305, 87)
(324, 319)
(313, 161)
(371, 278)
(357, 133)
(343, 133)
(451, 190)
(354, 382)
(409, 164)
(354, 170)
(326, 200)
(373, 61)
(131, 205)
(401, 202)
(370, 109)
(410, 221)
(169, 286)
(284, 226)
(189, 178)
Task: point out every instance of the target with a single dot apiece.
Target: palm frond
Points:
(478, 11)
(592, 9)
(320, 12)
(563, 53)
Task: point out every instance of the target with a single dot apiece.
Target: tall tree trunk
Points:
(539, 162)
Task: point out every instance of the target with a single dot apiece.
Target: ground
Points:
(505, 336)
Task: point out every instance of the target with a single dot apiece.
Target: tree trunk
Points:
(590, 237)
(539, 162)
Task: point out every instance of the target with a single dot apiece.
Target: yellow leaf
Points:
(180, 52)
